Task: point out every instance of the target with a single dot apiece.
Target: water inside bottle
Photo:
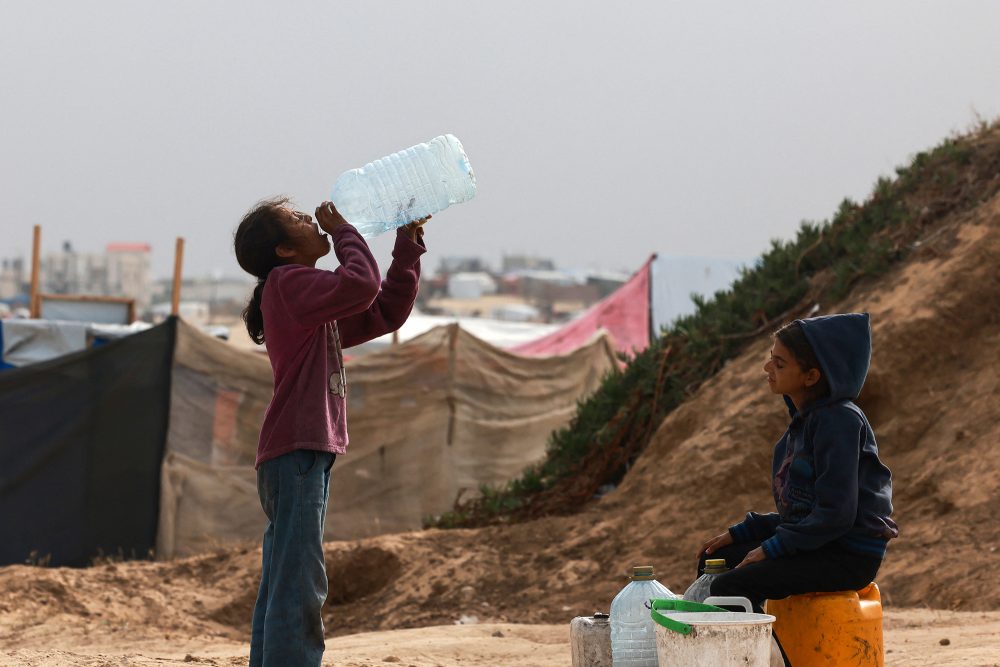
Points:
(405, 186)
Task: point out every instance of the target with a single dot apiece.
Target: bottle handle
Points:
(730, 601)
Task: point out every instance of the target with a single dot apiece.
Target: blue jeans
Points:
(287, 620)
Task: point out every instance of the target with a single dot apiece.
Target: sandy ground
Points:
(913, 637)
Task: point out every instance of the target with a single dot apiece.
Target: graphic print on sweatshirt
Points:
(335, 358)
(780, 481)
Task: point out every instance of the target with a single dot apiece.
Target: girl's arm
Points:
(836, 450)
(314, 296)
(394, 301)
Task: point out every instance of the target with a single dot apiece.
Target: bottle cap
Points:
(715, 566)
(642, 572)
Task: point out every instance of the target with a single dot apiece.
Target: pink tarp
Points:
(624, 314)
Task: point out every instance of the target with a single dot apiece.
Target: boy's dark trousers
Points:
(287, 621)
(825, 570)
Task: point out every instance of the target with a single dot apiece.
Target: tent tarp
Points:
(31, 341)
(431, 418)
(655, 296)
(81, 445)
(26, 342)
(501, 333)
(152, 437)
(625, 314)
(675, 278)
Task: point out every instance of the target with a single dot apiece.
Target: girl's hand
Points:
(415, 230)
(754, 556)
(717, 542)
(328, 218)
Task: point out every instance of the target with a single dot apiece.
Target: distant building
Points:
(192, 312)
(516, 312)
(71, 272)
(450, 265)
(129, 272)
(545, 288)
(606, 282)
(470, 285)
(223, 295)
(512, 263)
(12, 278)
(122, 270)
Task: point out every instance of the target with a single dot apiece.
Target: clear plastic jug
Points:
(405, 186)
(702, 586)
(633, 632)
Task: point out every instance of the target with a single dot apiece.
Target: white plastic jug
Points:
(691, 634)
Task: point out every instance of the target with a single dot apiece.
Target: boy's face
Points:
(306, 242)
(785, 375)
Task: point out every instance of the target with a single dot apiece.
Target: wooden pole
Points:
(36, 258)
(175, 306)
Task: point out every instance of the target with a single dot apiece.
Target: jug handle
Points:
(677, 605)
(730, 601)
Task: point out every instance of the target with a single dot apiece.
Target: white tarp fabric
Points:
(31, 341)
(429, 419)
(500, 333)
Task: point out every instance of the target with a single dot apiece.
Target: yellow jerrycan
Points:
(842, 629)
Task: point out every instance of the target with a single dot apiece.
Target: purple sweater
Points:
(309, 316)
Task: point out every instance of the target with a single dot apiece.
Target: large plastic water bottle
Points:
(405, 186)
(702, 586)
(633, 631)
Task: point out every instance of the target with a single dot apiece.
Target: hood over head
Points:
(843, 346)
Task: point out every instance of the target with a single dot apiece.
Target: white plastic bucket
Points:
(690, 637)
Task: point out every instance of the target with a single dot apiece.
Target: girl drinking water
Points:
(307, 316)
(833, 494)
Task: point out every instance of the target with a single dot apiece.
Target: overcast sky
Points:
(600, 132)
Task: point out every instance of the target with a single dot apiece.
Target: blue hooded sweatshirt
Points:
(829, 485)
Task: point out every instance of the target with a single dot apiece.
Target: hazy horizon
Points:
(598, 134)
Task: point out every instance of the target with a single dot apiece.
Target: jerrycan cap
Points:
(642, 573)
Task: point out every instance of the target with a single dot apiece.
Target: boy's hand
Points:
(328, 218)
(415, 230)
(717, 542)
(754, 556)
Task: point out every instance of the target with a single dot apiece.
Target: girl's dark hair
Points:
(259, 233)
(794, 338)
